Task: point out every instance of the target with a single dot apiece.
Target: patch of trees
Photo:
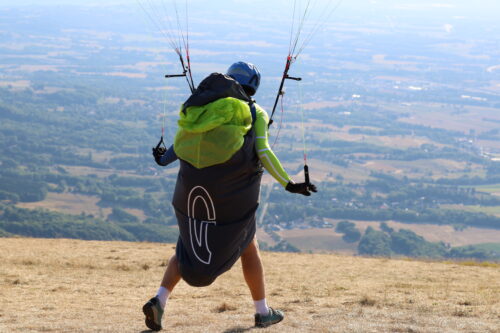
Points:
(47, 224)
(5, 234)
(491, 178)
(126, 162)
(36, 136)
(365, 118)
(337, 148)
(471, 251)
(281, 246)
(351, 233)
(121, 216)
(493, 169)
(428, 216)
(407, 243)
(144, 182)
(493, 134)
(22, 188)
(388, 243)
(390, 200)
(375, 243)
(146, 202)
(152, 232)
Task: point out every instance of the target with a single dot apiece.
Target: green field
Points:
(492, 188)
(490, 210)
(494, 247)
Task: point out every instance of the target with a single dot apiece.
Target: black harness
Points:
(215, 206)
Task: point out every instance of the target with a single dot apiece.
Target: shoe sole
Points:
(150, 322)
(262, 325)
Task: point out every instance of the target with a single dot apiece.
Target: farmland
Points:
(395, 132)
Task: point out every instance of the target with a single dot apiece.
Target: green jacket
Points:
(212, 133)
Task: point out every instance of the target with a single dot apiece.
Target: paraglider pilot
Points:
(222, 144)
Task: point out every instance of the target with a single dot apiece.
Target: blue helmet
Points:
(246, 74)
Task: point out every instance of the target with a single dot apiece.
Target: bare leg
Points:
(172, 274)
(153, 309)
(253, 271)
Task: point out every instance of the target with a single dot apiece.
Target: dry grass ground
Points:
(82, 286)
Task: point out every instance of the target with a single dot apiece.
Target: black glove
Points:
(158, 152)
(302, 188)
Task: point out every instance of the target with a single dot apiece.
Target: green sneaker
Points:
(273, 317)
(153, 311)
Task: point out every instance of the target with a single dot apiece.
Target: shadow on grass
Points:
(229, 330)
(239, 329)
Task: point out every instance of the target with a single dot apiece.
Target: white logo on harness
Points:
(198, 230)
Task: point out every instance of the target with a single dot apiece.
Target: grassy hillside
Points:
(58, 285)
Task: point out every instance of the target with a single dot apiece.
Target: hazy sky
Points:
(477, 9)
(485, 6)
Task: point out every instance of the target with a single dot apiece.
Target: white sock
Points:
(261, 307)
(163, 294)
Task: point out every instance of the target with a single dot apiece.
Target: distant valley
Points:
(400, 117)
